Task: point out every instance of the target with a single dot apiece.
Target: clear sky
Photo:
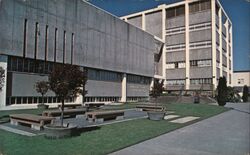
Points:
(237, 10)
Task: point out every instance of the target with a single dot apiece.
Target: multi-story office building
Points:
(198, 42)
(120, 59)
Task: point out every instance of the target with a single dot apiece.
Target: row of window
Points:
(200, 6)
(175, 31)
(102, 99)
(37, 33)
(173, 65)
(201, 81)
(176, 82)
(176, 11)
(201, 63)
(94, 74)
(198, 27)
(138, 79)
(34, 99)
(203, 44)
(176, 47)
(29, 65)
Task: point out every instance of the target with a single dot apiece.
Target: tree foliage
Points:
(2, 77)
(245, 93)
(67, 81)
(42, 87)
(157, 89)
(222, 91)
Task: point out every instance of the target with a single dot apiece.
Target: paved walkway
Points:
(224, 134)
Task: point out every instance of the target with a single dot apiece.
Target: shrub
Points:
(245, 94)
(222, 91)
(2, 76)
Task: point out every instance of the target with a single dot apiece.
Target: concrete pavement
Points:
(224, 134)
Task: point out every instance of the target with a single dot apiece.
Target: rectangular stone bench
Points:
(70, 106)
(101, 116)
(150, 108)
(36, 122)
(94, 105)
(67, 112)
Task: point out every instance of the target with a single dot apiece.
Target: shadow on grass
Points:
(79, 131)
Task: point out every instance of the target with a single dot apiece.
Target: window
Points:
(174, 12)
(55, 44)
(170, 66)
(201, 63)
(72, 47)
(24, 37)
(46, 43)
(199, 81)
(170, 13)
(36, 39)
(64, 46)
(175, 82)
(200, 6)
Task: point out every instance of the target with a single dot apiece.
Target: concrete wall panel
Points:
(103, 88)
(175, 73)
(153, 22)
(137, 90)
(199, 17)
(175, 22)
(201, 72)
(175, 56)
(198, 54)
(203, 35)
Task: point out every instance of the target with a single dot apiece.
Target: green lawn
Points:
(104, 140)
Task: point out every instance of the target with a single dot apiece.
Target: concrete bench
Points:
(36, 122)
(67, 112)
(101, 116)
(70, 106)
(150, 108)
(94, 105)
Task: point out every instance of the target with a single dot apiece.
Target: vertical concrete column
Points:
(220, 48)
(124, 88)
(231, 57)
(213, 42)
(3, 64)
(151, 84)
(227, 32)
(187, 45)
(164, 48)
(143, 22)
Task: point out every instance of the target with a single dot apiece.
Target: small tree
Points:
(2, 77)
(42, 87)
(245, 94)
(222, 91)
(157, 89)
(67, 81)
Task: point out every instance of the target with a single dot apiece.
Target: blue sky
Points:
(237, 10)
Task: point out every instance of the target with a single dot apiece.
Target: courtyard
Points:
(102, 138)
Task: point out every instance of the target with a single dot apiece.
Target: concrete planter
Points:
(57, 132)
(156, 115)
(42, 106)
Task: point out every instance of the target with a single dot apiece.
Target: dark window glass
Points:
(14, 64)
(180, 10)
(194, 7)
(26, 65)
(170, 13)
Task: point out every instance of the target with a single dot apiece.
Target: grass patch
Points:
(107, 138)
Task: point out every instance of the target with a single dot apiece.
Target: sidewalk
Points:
(224, 134)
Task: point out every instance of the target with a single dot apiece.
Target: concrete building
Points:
(121, 59)
(241, 78)
(198, 42)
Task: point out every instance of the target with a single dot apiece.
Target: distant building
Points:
(198, 42)
(240, 79)
(121, 59)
